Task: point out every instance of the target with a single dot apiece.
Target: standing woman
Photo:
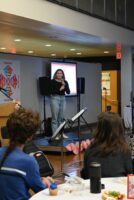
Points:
(59, 88)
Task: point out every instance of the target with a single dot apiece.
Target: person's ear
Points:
(30, 138)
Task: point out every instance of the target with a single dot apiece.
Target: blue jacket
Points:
(19, 173)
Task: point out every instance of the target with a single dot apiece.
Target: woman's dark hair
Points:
(21, 125)
(109, 136)
(54, 76)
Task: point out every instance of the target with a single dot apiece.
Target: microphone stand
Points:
(59, 132)
(77, 117)
(3, 91)
(105, 89)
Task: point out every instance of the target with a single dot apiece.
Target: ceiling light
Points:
(72, 49)
(2, 48)
(30, 51)
(78, 53)
(48, 45)
(106, 52)
(53, 54)
(17, 40)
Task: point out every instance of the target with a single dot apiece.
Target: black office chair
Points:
(4, 132)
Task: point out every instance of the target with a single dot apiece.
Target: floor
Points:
(72, 164)
(68, 163)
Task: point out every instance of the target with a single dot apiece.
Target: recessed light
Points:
(2, 48)
(106, 52)
(78, 53)
(53, 54)
(17, 40)
(72, 49)
(30, 51)
(48, 45)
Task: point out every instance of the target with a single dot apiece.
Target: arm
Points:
(47, 180)
(33, 179)
(67, 89)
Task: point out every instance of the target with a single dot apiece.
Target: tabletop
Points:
(81, 191)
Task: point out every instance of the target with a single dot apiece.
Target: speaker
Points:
(81, 85)
(45, 85)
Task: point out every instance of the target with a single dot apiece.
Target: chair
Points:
(4, 136)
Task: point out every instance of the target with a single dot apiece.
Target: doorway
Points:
(111, 91)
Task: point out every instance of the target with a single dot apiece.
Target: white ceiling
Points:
(35, 35)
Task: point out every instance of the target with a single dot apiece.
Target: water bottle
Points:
(95, 177)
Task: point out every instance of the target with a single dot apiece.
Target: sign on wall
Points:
(9, 80)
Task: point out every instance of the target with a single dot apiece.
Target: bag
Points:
(45, 167)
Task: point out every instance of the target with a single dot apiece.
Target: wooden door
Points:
(110, 90)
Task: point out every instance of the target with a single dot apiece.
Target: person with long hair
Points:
(19, 171)
(58, 103)
(109, 147)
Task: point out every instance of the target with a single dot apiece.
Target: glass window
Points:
(85, 5)
(130, 13)
(98, 7)
(110, 10)
(70, 2)
(121, 11)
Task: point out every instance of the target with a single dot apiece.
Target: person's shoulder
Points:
(28, 158)
(90, 149)
(66, 81)
(2, 149)
(53, 81)
(30, 162)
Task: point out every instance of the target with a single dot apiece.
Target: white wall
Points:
(92, 97)
(31, 68)
(126, 76)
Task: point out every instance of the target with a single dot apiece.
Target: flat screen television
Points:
(70, 74)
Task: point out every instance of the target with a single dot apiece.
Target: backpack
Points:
(45, 167)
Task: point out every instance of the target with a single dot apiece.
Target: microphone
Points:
(3, 89)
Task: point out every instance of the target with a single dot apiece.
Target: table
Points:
(116, 184)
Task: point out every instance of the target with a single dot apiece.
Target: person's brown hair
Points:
(59, 70)
(109, 136)
(21, 125)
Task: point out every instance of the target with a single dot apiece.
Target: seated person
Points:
(109, 148)
(19, 172)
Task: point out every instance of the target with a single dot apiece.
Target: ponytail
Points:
(9, 149)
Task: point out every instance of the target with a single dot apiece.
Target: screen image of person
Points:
(59, 88)
(19, 171)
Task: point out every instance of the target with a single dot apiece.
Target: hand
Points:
(63, 82)
(47, 180)
(62, 87)
(17, 104)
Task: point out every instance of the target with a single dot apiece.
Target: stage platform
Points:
(56, 145)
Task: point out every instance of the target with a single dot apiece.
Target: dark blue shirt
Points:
(19, 173)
